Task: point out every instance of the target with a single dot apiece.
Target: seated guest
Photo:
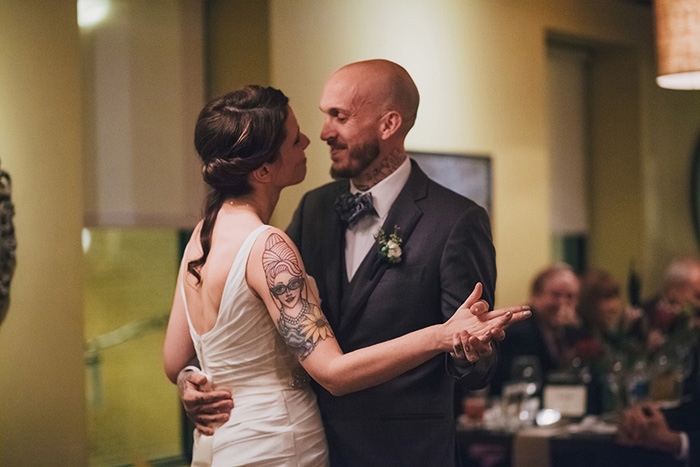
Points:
(604, 318)
(547, 335)
(604, 344)
(669, 325)
(678, 301)
(675, 431)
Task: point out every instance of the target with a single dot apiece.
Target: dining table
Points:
(566, 444)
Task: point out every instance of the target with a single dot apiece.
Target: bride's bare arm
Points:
(178, 350)
(276, 273)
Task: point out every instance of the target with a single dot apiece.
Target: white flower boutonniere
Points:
(389, 246)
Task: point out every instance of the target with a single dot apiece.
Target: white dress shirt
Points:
(361, 237)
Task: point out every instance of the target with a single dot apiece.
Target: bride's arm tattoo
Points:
(301, 323)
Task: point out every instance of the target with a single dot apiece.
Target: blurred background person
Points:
(605, 346)
(549, 334)
(604, 318)
(678, 301)
(668, 328)
(675, 431)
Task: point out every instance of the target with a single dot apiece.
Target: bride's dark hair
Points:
(235, 135)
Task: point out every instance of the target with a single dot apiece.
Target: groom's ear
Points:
(390, 124)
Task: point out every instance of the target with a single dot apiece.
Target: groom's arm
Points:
(207, 408)
(469, 257)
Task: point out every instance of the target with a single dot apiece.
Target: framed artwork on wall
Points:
(467, 174)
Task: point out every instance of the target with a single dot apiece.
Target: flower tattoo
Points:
(301, 324)
(315, 326)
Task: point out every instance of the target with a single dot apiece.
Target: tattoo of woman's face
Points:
(287, 289)
(301, 324)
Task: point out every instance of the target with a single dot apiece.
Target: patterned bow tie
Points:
(351, 208)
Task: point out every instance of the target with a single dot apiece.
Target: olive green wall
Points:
(237, 41)
(671, 130)
(481, 69)
(616, 210)
(42, 400)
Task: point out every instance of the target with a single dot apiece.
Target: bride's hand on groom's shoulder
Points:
(208, 408)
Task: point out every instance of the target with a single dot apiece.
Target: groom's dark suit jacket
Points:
(447, 248)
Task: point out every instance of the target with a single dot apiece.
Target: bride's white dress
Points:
(275, 420)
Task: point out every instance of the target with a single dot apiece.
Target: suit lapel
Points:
(404, 214)
(333, 248)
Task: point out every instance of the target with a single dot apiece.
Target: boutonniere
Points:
(389, 246)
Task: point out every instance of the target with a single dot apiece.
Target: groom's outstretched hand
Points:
(480, 326)
(208, 408)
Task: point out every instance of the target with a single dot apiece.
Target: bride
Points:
(246, 308)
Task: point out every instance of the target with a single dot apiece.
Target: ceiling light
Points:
(678, 43)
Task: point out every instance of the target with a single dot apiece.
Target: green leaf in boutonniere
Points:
(389, 246)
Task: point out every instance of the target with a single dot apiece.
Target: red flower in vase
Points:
(663, 317)
(587, 349)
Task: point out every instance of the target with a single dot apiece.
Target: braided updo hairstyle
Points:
(235, 134)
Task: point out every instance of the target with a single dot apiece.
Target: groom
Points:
(441, 248)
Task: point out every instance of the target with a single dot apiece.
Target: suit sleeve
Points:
(694, 448)
(294, 227)
(686, 417)
(469, 257)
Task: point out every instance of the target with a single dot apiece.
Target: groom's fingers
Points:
(458, 347)
(220, 403)
(207, 409)
(205, 430)
(498, 334)
(472, 351)
(479, 347)
(493, 324)
(466, 345)
(479, 308)
(206, 423)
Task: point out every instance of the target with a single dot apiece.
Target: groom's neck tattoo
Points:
(301, 323)
(386, 167)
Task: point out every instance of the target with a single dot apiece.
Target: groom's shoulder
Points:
(438, 194)
(447, 200)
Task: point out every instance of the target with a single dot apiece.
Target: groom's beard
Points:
(360, 157)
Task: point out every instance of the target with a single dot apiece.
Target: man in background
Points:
(547, 335)
(677, 303)
(671, 315)
(674, 431)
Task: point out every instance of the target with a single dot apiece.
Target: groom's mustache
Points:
(333, 143)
